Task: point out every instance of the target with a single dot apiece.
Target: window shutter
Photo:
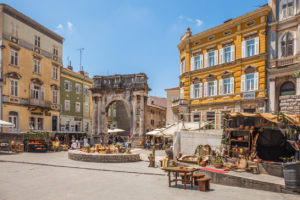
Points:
(232, 85)
(42, 93)
(257, 46)
(221, 87)
(31, 91)
(243, 49)
(206, 60)
(216, 57)
(215, 88)
(205, 89)
(232, 53)
(256, 80)
(221, 56)
(243, 83)
(192, 91)
(192, 63)
(180, 68)
(200, 90)
(201, 61)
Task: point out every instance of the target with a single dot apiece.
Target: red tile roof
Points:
(158, 101)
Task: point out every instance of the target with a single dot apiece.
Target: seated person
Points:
(74, 146)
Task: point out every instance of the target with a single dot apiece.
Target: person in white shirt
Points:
(74, 145)
(85, 141)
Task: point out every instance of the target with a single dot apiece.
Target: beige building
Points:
(31, 56)
(284, 51)
(172, 96)
(155, 113)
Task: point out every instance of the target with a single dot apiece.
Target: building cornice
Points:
(30, 22)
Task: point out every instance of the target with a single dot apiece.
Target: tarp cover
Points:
(269, 116)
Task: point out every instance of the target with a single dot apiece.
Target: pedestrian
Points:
(85, 141)
(77, 144)
(297, 146)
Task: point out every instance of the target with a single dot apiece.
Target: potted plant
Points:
(218, 162)
(201, 162)
(128, 151)
(151, 160)
(88, 148)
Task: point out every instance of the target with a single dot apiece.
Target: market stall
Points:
(36, 141)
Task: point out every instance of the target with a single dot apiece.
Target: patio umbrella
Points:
(116, 130)
(6, 124)
(155, 132)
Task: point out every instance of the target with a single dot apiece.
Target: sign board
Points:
(249, 95)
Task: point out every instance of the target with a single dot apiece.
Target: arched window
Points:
(288, 88)
(287, 45)
(287, 8)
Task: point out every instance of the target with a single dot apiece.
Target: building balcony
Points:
(39, 102)
(179, 102)
(286, 61)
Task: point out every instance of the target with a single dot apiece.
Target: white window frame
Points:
(55, 72)
(54, 96)
(245, 52)
(182, 66)
(37, 41)
(69, 88)
(214, 124)
(211, 57)
(15, 120)
(86, 91)
(77, 107)
(287, 12)
(67, 105)
(228, 85)
(14, 57)
(36, 66)
(86, 107)
(227, 55)
(14, 87)
(77, 88)
(55, 51)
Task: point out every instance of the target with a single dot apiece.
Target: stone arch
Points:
(280, 81)
(132, 90)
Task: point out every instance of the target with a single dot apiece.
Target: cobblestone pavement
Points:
(54, 176)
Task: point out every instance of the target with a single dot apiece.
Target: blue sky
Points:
(130, 36)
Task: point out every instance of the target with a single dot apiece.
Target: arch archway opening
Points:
(288, 88)
(118, 117)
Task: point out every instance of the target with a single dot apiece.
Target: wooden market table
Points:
(186, 179)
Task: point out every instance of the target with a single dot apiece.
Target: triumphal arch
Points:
(130, 92)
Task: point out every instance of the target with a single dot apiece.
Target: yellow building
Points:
(30, 64)
(223, 69)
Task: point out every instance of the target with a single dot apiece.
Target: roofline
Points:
(176, 88)
(30, 22)
(76, 75)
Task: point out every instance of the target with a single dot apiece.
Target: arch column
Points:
(95, 113)
(141, 126)
(134, 108)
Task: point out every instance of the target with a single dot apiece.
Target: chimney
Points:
(82, 73)
(70, 67)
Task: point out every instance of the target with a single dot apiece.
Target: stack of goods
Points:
(37, 146)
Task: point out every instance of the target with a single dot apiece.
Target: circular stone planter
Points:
(102, 158)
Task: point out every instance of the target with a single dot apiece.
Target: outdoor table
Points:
(185, 180)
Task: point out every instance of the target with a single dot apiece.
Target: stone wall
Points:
(290, 104)
(187, 141)
(103, 158)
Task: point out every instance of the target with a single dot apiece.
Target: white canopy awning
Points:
(116, 130)
(6, 124)
(155, 132)
(190, 126)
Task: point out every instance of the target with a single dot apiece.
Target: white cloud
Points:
(198, 22)
(181, 17)
(59, 26)
(70, 26)
(189, 19)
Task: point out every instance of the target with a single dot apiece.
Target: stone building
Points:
(76, 100)
(172, 96)
(155, 113)
(223, 69)
(31, 56)
(284, 51)
(130, 91)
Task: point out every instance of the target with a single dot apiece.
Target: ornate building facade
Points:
(284, 51)
(31, 56)
(223, 69)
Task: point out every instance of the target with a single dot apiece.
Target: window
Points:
(78, 126)
(226, 86)
(211, 88)
(77, 107)
(152, 122)
(78, 88)
(197, 91)
(86, 91)
(40, 123)
(197, 62)
(14, 57)
(55, 51)
(67, 125)
(182, 66)
(86, 107)
(250, 82)
(210, 117)
(55, 72)
(37, 41)
(211, 57)
(86, 126)
(287, 8)
(54, 96)
(227, 53)
(287, 88)
(67, 86)
(196, 117)
(287, 45)
(14, 84)
(36, 66)
(250, 48)
(13, 118)
(36, 92)
(32, 123)
(67, 105)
